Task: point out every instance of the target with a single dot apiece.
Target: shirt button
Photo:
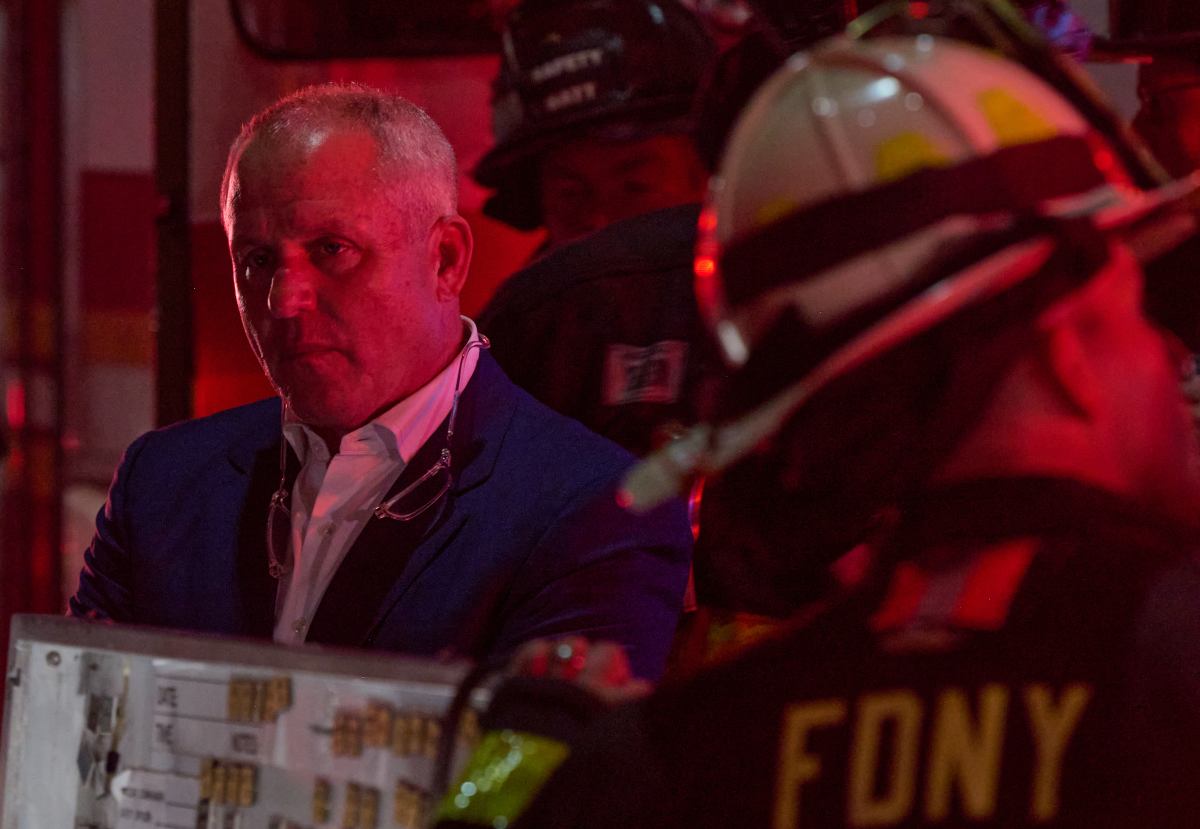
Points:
(327, 530)
(299, 625)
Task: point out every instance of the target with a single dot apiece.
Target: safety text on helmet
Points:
(566, 64)
(578, 94)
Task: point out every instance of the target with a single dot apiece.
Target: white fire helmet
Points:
(870, 190)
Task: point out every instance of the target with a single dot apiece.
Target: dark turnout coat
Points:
(1048, 676)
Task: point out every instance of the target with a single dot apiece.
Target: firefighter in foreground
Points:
(962, 348)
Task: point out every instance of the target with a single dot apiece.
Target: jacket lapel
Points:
(256, 457)
(389, 554)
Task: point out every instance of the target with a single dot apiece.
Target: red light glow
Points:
(1106, 160)
(14, 404)
(624, 498)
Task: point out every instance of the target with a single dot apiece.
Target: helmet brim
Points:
(511, 168)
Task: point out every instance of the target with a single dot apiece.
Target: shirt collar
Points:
(397, 433)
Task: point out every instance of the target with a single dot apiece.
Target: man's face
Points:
(588, 183)
(339, 294)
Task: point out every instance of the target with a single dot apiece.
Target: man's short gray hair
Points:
(409, 140)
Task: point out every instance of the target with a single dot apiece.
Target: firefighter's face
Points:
(340, 276)
(587, 184)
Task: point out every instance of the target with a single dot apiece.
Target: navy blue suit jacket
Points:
(529, 542)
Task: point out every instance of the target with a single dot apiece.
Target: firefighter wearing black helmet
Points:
(590, 114)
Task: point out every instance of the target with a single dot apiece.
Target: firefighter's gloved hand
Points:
(601, 668)
(555, 690)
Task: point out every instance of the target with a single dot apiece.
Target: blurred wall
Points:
(1118, 80)
(109, 207)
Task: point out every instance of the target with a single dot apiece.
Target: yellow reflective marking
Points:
(1054, 722)
(965, 753)
(773, 210)
(797, 765)
(1012, 120)
(872, 761)
(906, 153)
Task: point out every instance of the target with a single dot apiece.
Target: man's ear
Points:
(1068, 370)
(452, 244)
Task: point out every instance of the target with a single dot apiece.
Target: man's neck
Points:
(332, 437)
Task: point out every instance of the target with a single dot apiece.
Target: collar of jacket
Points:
(483, 419)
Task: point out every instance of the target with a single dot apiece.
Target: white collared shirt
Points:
(334, 498)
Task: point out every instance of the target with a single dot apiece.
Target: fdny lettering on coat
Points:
(653, 374)
(938, 759)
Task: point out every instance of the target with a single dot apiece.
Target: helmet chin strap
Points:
(706, 450)
(1150, 223)
(279, 501)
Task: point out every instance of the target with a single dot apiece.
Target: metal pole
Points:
(172, 141)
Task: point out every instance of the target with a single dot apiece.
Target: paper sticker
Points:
(653, 374)
(148, 799)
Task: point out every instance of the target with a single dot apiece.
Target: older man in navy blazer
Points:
(405, 495)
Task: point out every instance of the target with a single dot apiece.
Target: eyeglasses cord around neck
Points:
(278, 509)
